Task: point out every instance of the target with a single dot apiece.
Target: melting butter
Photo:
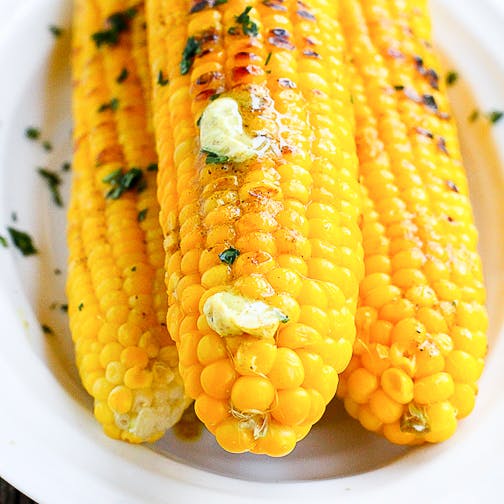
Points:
(230, 314)
(222, 132)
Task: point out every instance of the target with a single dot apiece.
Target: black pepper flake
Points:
(452, 186)
(66, 166)
(229, 255)
(46, 329)
(424, 132)
(451, 78)
(161, 80)
(399, 87)
(306, 15)
(441, 145)
(122, 76)
(286, 83)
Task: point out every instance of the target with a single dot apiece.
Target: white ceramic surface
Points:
(50, 445)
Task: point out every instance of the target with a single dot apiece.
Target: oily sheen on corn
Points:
(421, 320)
(259, 206)
(116, 295)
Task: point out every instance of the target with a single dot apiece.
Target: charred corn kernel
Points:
(420, 321)
(115, 244)
(263, 174)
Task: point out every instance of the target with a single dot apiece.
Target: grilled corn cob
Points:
(421, 320)
(255, 139)
(116, 296)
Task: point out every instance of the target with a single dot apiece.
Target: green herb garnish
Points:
(64, 307)
(451, 78)
(53, 182)
(56, 30)
(152, 167)
(229, 255)
(267, 59)
(22, 241)
(116, 24)
(248, 26)
(80, 307)
(3, 241)
(122, 76)
(122, 182)
(191, 49)
(112, 105)
(142, 215)
(32, 133)
(161, 80)
(66, 166)
(213, 158)
(495, 116)
(47, 145)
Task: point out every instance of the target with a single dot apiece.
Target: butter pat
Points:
(222, 133)
(230, 314)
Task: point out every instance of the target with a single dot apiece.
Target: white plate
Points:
(50, 445)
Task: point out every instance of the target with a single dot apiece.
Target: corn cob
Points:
(116, 296)
(421, 320)
(255, 139)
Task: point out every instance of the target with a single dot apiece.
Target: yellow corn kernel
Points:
(252, 393)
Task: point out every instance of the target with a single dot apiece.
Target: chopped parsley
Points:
(22, 241)
(53, 181)
(247, 25)
(152, 167)
(80, 307)
(32, 133)
(47, 145)
(112, 105)
(66, 166)
(122, 76)
(142, 214)
(495, 116)
(229, 255)
(56, 30)
(116, 24)
(451, 78)
(213, 158)
(3, 241)
(191, 49)
(267, 59)
(161, 79)
(124, 181)
(399, 87)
